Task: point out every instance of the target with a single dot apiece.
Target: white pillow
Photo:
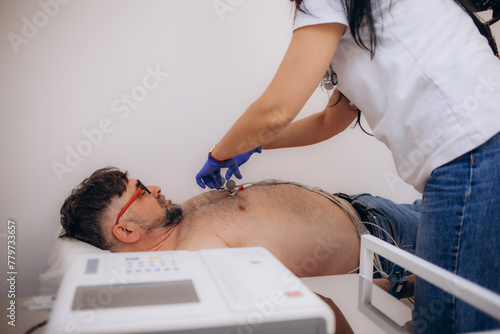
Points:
(63, 251)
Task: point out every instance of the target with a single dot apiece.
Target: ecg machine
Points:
(223, 291)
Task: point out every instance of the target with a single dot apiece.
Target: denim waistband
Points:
(362, 212)
(394, 223)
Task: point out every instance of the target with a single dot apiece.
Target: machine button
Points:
(294, 294)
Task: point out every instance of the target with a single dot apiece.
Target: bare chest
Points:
(291, 222)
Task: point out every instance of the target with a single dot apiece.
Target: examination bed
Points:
(366, 307)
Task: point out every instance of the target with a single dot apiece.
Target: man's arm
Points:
(341, 324)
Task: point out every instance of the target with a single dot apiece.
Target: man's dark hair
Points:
(82, 211)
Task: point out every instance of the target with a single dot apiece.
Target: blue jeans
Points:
(394, 223)
(458, 231)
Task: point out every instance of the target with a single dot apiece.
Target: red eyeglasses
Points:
(140, 189)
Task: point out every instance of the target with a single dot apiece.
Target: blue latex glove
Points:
(210, 176)
(241, 159)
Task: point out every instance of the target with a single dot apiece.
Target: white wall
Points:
(64, 74)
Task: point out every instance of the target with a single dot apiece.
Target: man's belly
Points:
(316, 239)
(310, 234)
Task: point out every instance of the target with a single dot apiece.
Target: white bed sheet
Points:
(61, 254)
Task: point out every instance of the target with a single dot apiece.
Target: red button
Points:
(293, 294)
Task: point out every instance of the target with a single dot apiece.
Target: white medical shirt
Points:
(432, 91)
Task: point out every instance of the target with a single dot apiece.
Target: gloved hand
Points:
(241, 159)
(210, 176)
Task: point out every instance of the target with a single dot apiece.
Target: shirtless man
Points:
(302, 227)
(306, 231)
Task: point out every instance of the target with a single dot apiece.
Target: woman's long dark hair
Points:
(360, 12)
(472, 6)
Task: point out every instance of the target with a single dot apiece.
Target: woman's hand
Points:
(209, 175)
(241, 159)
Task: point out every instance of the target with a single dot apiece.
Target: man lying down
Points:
(311, 232)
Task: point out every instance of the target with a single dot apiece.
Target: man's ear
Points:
(127, 233)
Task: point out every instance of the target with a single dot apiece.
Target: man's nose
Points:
(155, 191)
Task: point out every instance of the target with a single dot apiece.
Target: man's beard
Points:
(171, 217)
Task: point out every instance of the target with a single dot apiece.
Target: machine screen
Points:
(131, 295)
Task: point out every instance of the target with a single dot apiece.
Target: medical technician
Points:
(428, 84)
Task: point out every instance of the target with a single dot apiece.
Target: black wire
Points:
(34, 328)
(358, 122)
